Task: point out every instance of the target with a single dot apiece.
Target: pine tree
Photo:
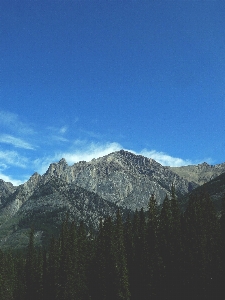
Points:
(121, 284)
(7, 276)
(153, 258)
(139, 279)
(202, 246)
(82, 263)
(104, 267)
(30, 271)
(20, 278)
(222, 255)
(53, 263)
(64, 263)
(129, 244)
(176, 253)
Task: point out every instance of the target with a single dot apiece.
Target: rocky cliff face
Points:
(6, 189)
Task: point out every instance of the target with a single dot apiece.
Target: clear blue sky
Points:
(80, 79)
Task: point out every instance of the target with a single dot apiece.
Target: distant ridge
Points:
(200, 173)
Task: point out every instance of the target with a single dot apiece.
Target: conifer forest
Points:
(162, 253)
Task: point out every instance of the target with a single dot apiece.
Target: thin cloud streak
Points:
(167, 160)
(83, 152)
(10, 179)
(16, 142)
(12, 122)
(12, 158)
(91, 151)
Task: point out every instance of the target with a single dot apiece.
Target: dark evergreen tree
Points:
(129, 245)
(53, 262)
(64, 260)
(202, 247)
(20, 278)
(139, 272)
(7, 276)
(30, 271)
(82, 263)
(222, 255)
(121, 284)
(104, 267)
(153, 259)
(175, 269)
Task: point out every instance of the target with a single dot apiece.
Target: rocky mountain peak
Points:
(57, 169)
(63, 162)
(203, 165)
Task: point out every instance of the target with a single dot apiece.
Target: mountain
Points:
(123, 178)
(200, 173)
(88, 191)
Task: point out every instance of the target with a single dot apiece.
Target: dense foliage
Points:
(165, 254)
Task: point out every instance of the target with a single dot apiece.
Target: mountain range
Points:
(88, 191)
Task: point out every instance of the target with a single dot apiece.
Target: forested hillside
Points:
(165, 254)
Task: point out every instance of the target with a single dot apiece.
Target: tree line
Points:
(159, 254)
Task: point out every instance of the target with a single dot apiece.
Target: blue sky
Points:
(81, 79)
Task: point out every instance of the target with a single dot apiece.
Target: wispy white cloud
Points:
(92, 134)
(87, 153)
(11, 121)
(56, 134)
(167, 160)
(16, 142)
(82, 151)
(63, 129)
(15, 182)
(12, 158)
